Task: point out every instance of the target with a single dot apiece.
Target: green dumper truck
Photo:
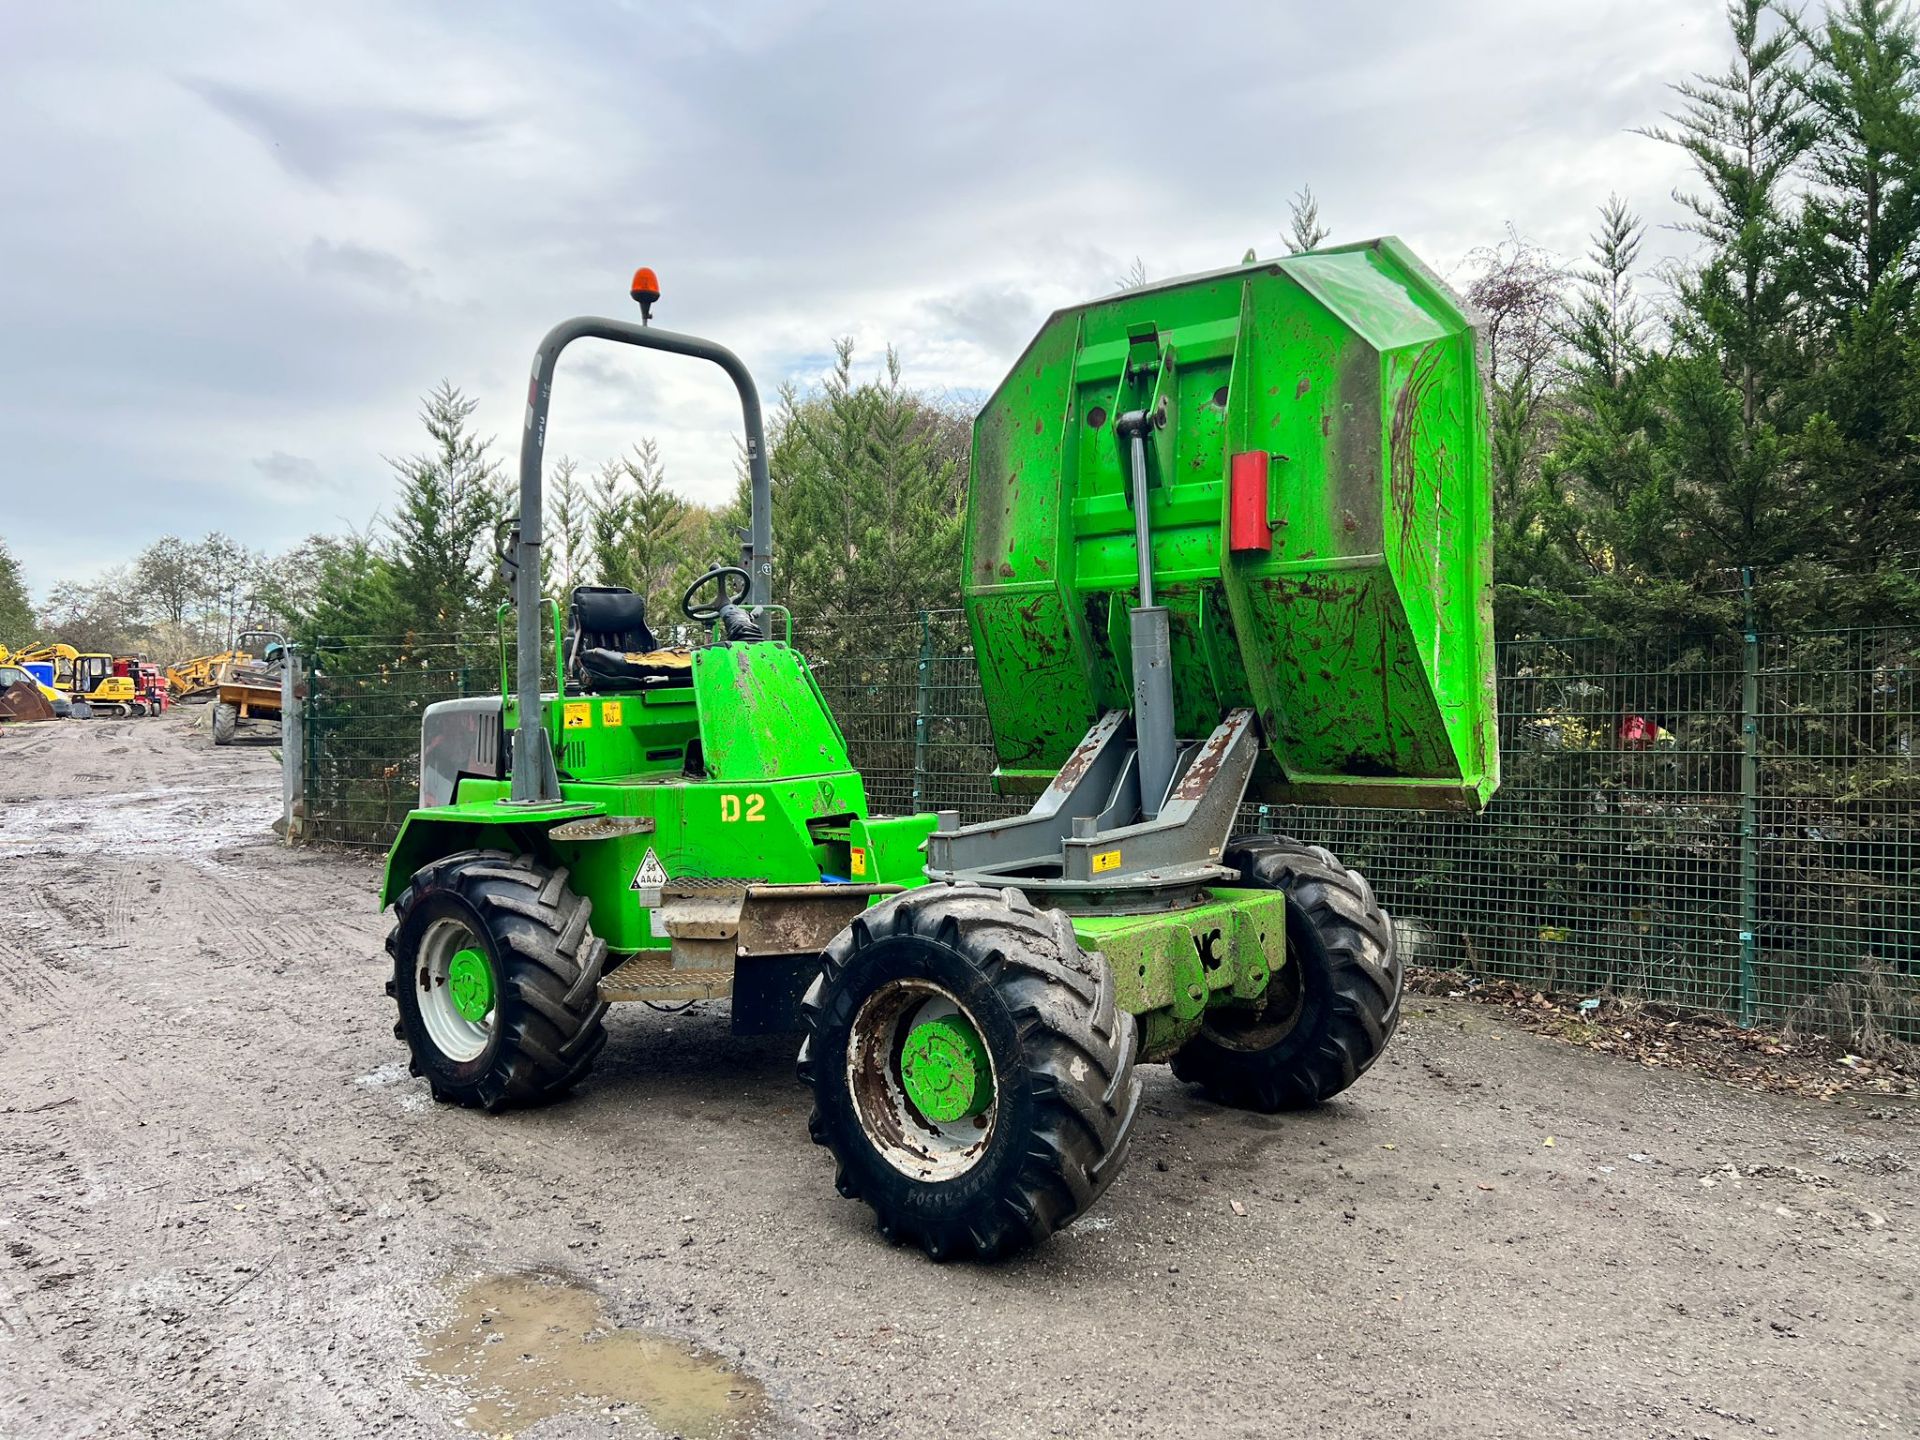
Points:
(1226, 538)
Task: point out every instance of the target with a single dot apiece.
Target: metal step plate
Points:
(650, 976)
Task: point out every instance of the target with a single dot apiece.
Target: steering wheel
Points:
(723, 578)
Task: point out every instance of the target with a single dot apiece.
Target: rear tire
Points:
(1059, 1060)
(1328, 1013)
(522, 937)
(226, 719)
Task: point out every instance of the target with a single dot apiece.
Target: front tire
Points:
(972, 1075)
(1328, 1012)
(226, 720)
(497, 979)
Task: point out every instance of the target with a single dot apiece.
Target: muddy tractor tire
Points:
(1328, 1013)
(971, 1073)
(226, 720)
(497, 979)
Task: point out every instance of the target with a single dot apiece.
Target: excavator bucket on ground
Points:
(22, 700)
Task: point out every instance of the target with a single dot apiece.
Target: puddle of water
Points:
(523, 1347)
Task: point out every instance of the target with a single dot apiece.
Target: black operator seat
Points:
(610, 649)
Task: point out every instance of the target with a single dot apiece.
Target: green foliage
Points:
(869, 478)
(445, 523)
(1765, 419)
(566, 522)
(638, 528)
(1609, 505)
(16, 610)
(353, 591)
(1862, 215)
(1856, 450)
(708, 536)
(1744, 130)
(1304, 230)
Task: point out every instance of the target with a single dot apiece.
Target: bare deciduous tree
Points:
(1518, 288)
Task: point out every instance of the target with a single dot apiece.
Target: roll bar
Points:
(535, 779)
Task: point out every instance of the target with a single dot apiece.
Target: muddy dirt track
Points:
(226, 1211)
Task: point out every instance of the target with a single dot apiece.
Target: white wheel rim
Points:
(919, 1148)
(452, 1034)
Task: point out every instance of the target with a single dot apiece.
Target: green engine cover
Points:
(1350, 607)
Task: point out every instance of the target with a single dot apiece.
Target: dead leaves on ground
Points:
(1755, 1059)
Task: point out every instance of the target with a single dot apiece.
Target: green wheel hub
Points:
(943, 1066)
(470, 983)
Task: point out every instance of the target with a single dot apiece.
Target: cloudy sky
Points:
(238, 241)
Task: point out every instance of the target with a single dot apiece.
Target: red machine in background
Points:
(151, 682)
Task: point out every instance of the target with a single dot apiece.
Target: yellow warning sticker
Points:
(858, 864)
(609, 712)
(1106, 860)
(578, 715)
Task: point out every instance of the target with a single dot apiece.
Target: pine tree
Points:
(1613, 514)
(1857, 263)
(656, 522)
(1862, 215)
(1744, 130)
(353, 594)
(1304, 230)
(1857, 451)
(446, 522)
(711, 535)
(869, 479)
(566, 522)
(608, 517)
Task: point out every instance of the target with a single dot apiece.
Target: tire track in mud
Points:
(24, 742)
(238, 1208)
(47, 1261)
(119, 874)
(34, 967)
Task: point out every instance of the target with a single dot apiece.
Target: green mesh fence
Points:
(365, 695)
(1636, 847)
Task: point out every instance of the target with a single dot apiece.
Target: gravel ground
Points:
(225, 1209)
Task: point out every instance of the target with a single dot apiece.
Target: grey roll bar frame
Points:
(536, 781)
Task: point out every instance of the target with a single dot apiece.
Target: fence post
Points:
(922, 687)
(292, 747)
(310, 734)
(1749, 799)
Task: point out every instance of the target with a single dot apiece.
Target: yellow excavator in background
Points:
(61, 657)
(89, 678)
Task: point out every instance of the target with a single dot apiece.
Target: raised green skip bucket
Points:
(1362, 637)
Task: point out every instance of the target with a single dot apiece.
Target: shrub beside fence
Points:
(1638, 845)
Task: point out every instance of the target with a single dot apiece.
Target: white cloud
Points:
(239, 245)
